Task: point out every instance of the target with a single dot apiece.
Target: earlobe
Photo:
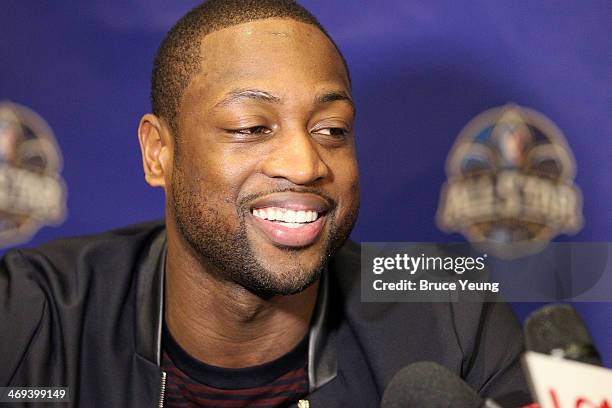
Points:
(155, 149)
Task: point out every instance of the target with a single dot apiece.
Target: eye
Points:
(248, 134)
(335, 132)
(253, 130)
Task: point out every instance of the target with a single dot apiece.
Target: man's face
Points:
(264, 183)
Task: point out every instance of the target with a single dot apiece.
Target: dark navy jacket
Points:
(86, 313)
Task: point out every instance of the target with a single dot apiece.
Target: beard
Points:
(221, 239)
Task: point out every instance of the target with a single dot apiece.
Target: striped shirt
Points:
(192, 383)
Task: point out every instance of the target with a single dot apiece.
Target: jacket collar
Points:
(322, 359)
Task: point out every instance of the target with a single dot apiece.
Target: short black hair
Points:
(178, 56)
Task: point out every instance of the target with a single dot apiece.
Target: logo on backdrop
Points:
(510, 185)
(32, 192)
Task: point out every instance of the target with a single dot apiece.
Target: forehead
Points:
(280, 55)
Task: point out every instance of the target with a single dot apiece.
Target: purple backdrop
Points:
(421, 70)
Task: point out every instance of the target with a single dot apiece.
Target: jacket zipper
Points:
(162, 391)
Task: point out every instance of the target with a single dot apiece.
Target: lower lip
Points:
(291, 237)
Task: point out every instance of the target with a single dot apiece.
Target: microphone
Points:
(559, 331)
(427, 384)
(562, 365)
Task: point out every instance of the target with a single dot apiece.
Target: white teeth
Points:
(290, 216)
(272, 214)
(301, 216)
(292, 219)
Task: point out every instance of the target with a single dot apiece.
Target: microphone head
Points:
(559, 330)
(427, 384)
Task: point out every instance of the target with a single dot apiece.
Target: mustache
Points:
(244, 202)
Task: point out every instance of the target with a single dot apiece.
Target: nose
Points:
(295, 158)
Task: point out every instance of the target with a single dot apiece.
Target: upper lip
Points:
(293, 201)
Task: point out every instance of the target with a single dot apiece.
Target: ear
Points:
(156, 148)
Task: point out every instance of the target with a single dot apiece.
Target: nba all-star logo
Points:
(32, 193)
(510, 183)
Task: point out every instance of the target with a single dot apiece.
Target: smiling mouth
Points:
(289, 228)
(287, 218)
(291, 219)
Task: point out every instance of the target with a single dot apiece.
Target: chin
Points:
(285, 273)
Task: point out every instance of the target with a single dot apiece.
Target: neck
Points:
(220, 323)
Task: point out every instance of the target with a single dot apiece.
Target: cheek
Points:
(345, 179)
(349, 198)
(216, 173)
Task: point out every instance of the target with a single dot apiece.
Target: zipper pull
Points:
(162, 391)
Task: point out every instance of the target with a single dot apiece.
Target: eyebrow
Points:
(333, 96)
(238, 95)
